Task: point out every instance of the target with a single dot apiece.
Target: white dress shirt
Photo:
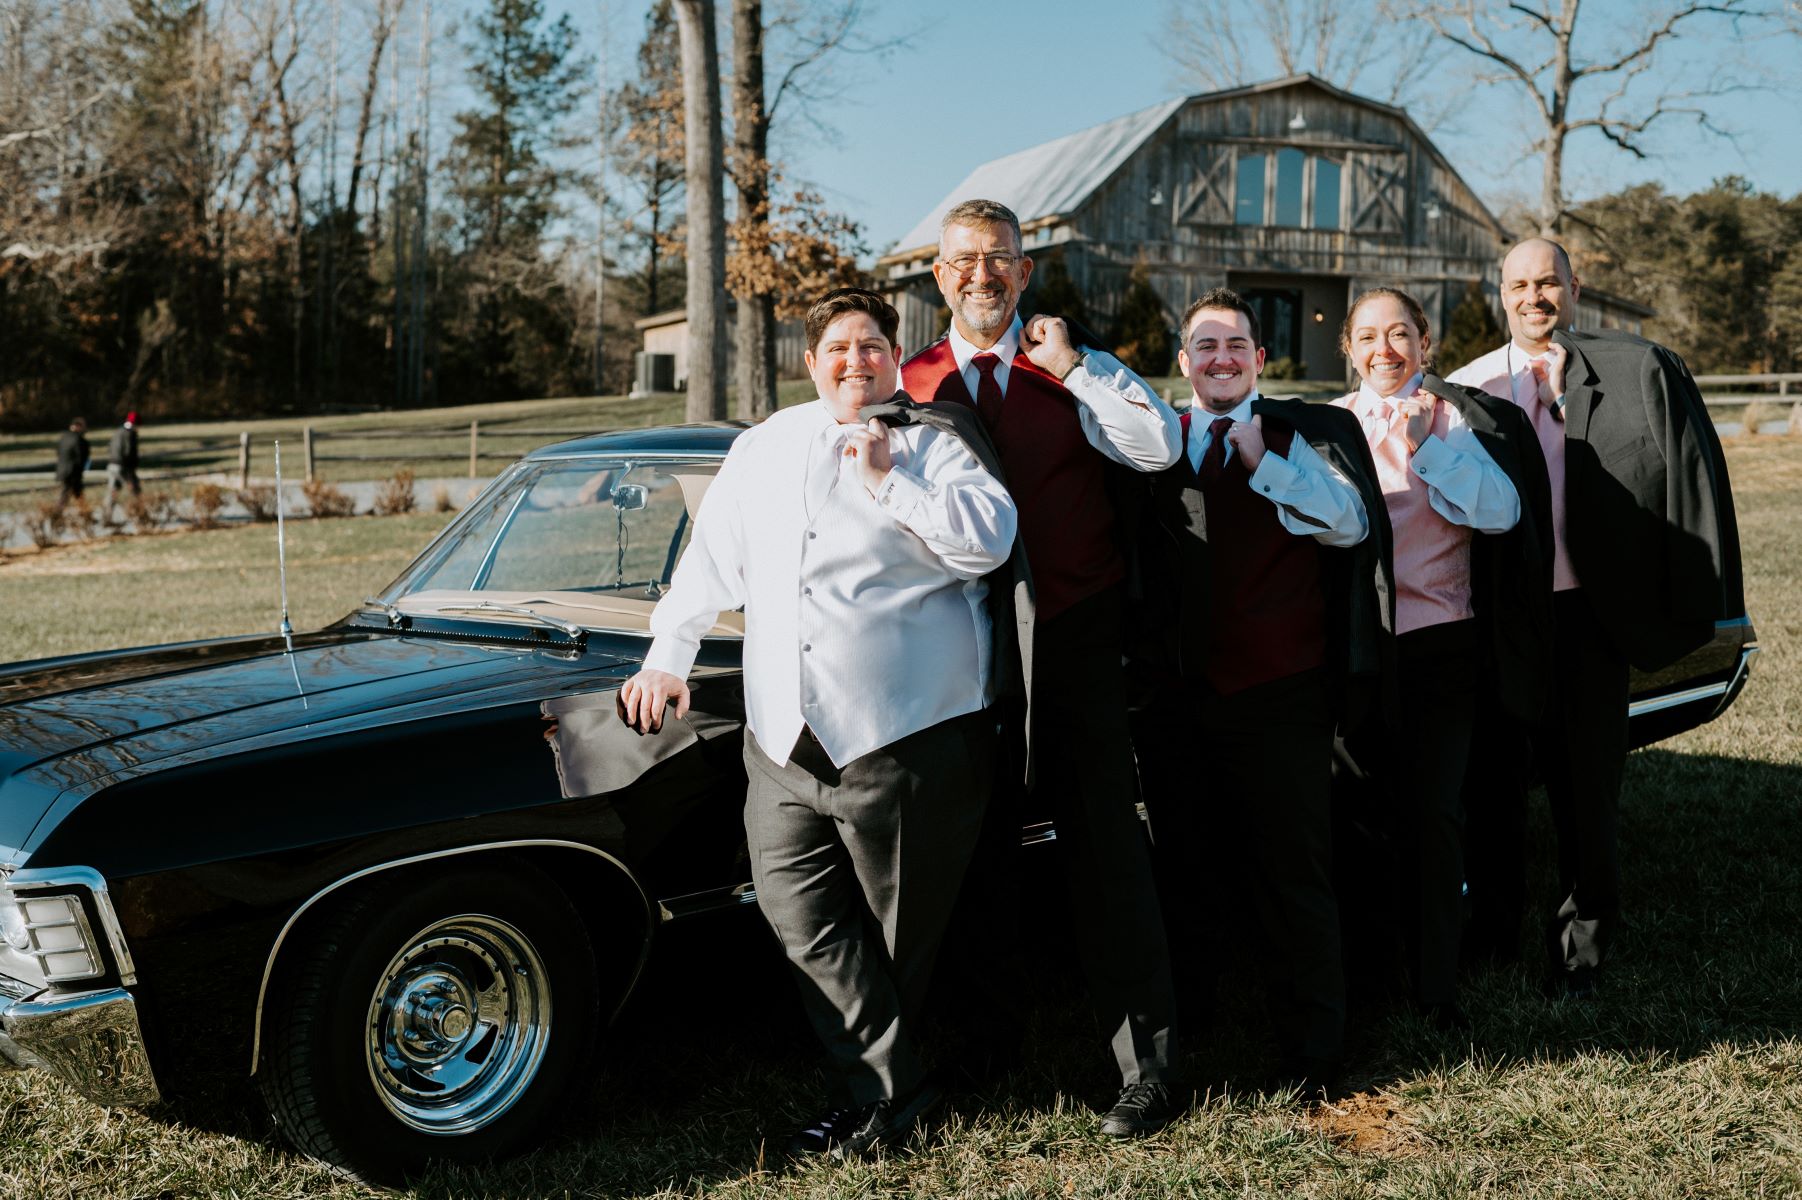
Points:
(864, 615)
(1312, 497)
(1463, 483)
(1121, 416)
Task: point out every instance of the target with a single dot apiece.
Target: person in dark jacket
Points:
(1647, 560)
(72, 454)
(1261, 566)
(122, 460)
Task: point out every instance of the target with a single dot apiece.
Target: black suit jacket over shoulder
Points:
(1649, 509)
(1511, 573)
(1358, 580)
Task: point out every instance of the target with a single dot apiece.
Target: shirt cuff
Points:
(900, 493)
(672, 654)
(1433, 457)
(1275, 477)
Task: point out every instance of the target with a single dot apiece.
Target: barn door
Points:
(1379, 192)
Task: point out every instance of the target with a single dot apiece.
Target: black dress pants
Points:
(1238, 790)
(1579, 751)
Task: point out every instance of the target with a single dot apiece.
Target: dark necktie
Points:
(988, 390)
(1215, 458)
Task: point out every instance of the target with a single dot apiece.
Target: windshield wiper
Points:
(568, 628)
(396, 618)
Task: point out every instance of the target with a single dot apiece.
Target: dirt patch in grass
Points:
(1366, 1124)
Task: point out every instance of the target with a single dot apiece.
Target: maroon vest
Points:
(1265, 613)
(1055, 476)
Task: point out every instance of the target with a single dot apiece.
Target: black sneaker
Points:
(1141, 1110)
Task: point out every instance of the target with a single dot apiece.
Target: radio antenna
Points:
(281, 549)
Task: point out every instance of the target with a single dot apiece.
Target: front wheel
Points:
(431, 1018)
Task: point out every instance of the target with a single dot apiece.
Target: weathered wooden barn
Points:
(1294, 192)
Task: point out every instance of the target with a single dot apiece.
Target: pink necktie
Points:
(1543, 389)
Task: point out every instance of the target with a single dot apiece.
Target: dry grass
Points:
(1684, 1081)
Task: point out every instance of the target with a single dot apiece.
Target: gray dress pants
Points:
(856, 870)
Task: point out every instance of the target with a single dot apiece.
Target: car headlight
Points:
(55, 931)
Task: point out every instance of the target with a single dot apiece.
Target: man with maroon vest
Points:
(1059, 415)
(1263, 563)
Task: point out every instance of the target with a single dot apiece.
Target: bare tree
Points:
(1536, 47)
(1218, 44)
(754, 372)
(706, 211)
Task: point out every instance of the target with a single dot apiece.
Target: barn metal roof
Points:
(1049, 178)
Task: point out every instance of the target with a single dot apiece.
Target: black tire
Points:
(430, 1016)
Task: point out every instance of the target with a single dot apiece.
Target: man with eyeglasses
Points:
(1059, 414)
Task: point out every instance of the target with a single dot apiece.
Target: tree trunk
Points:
(706, 211)
(754, 374)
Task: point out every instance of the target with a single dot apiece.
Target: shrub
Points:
(207, 500)
(150, 510)
(258, 500)
(394, 495)
(44, 523)
(80, 518)
(441, 500)
(1754, 416)
(1285, 368)
(327, 500)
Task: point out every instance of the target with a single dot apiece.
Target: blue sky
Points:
(981, 78)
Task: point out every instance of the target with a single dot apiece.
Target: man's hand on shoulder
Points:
(1247, 437)
(1046, 341)
(643, 696)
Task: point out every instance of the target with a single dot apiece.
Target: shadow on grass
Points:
(711, 1066)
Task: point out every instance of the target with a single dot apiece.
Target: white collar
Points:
(1368, 401)
(1200, 412)
(1005, 347)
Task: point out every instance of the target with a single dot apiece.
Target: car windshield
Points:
(588, 541)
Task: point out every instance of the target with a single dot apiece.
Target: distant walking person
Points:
(72, 454)
(122, 460)
(1646, 560)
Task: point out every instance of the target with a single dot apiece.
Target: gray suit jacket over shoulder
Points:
(1650, 520)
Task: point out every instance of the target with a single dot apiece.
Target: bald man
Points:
(1646, 560)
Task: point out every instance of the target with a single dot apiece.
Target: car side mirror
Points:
(630, 497)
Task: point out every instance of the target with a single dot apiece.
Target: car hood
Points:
(73, 723)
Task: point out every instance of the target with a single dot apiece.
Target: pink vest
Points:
(1432, 555)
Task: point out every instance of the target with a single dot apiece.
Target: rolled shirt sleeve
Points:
(1312, 498)
(1121, 416)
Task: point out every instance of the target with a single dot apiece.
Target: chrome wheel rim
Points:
(457, 1025)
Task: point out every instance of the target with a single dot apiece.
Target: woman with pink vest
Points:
(1452, 478)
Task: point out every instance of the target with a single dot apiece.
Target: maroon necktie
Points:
(988, 390)
(1215, 458)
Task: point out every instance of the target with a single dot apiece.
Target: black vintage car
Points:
(403, 872)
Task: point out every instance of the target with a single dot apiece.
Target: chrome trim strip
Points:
(698, 456)
(1640, 708)
(644, 953)
(690, 904)
(1740, 674)
(40, 878)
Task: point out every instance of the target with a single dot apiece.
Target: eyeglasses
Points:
(998, 264)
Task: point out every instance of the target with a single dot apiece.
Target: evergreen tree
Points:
(1054, 292)
(1471, 332)
(506, 173)
(1142, 332)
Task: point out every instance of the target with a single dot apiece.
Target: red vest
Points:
(1054, 474)
(1265, 614)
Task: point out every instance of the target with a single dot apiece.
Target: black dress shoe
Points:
(1141, 1110)
(849, 1132)
(1573, 983)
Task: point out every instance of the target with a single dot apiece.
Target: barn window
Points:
(1326, 194)
(1248, 205)
(1289, 165)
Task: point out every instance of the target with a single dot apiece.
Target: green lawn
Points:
(1684, 1080)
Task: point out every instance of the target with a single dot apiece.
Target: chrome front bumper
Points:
(91, 1040)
